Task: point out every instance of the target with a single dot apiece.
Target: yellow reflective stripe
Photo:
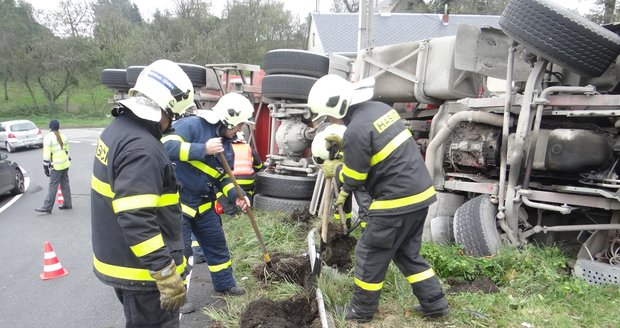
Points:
(195, 243)
(363, 224)
(184, 151)
(219, 194)
(188, 211)
(400, 202)
(412, 279)
(205, 168)
(143, 201)
(148, 246)
(349, 172)
(259, 166)
(120, 272)
(337, 215)
(220, 267)
(368, 286)
(245, 182)
(205, 207)
(168, 199)
(227, 188)
(172, 137)
(341, 177)
(101, 187)
(389, 148)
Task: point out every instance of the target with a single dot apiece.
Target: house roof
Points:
(338, 32)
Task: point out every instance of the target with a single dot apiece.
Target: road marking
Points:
(16, 197)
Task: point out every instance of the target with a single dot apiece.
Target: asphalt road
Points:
(78, 299)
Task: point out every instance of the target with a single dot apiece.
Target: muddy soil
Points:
(481, 285)
(292, 269)
(298, 311)
(301, 216)
(338, 253)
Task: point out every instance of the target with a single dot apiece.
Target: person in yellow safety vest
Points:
(380, 154)
(56, 163)
(247, 163)
(136, 218)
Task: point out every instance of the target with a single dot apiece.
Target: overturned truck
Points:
(533, 160)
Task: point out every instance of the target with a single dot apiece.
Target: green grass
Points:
(86, 106)
(535, 285)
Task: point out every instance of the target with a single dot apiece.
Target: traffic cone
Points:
(59, 199)
(51, 265)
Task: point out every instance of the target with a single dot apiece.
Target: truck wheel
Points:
(196, 73)
(286, 86)
(284, 186)
(287, 205)
(561, 36)
(132, 74)
(475, 227)
(299, 62)
(115, 78)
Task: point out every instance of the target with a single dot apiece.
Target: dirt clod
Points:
(339, 246)
(301, 216)
(293, 269)
(298, 311)
(480, 285)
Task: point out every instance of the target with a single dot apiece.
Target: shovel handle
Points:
(327, 200)
(224, 163)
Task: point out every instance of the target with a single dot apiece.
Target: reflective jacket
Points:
(381, 155)
(197, 172)
(135, 212)
(247, 163)
(55, 155)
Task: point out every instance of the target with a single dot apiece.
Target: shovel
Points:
(240, 192)
(327, 200)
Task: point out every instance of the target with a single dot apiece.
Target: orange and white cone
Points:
(51, 265)
(59, 199)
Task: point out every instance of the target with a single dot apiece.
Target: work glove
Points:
(46, 169)
(170, 286)
(333, 140)
(342, 197)
(329, 167)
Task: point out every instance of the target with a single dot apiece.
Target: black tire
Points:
(475, 227)
(20, 187)
(267, 203)
(292, 61)
(286, 86)
(284, 186)
(196, 73)
(115, 78)
(132, 74)
(561, 36)
(8, 147)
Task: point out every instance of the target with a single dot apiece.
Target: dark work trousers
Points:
(207, 228)
(60, 177)
(142, 309)
(395, 238)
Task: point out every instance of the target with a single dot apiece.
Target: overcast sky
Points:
(297, 7)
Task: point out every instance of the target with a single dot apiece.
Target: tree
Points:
(70, 18)
(604, 12)
(115, 22)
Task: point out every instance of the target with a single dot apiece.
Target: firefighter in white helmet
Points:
(381, 156)
(193, 147)
(136, 217)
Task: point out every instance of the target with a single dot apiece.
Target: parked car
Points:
(11, 176)
(18, 134)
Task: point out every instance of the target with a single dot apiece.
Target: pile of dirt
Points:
(480, 285)
(293, 269)
(301, 216)
(298, 311)
(339, 247)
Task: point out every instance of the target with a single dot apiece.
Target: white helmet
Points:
(332, 95)
(232, 109)
(161, 85)
(320, 152)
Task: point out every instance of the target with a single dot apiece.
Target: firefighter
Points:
(136, 216)
(247, 164)
(193, 147)
(380, 155)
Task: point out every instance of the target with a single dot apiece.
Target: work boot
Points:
(350, 314)
(188, 307)
(436, 313)
(42, 210)
(63, 207)
(233, 291)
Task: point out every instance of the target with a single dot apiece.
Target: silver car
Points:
(19, 134)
